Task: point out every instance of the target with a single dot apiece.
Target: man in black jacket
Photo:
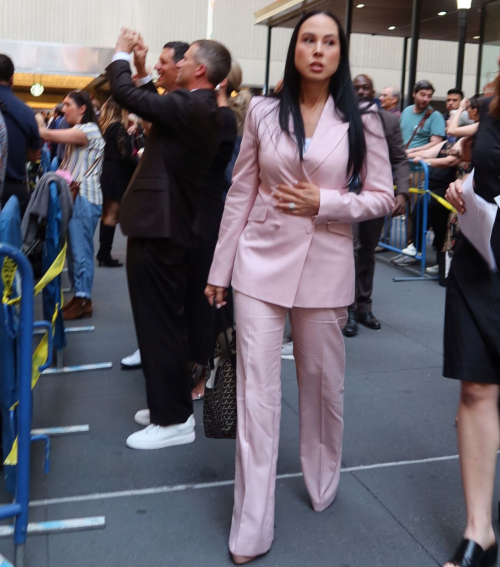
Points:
(367, 233)
(160, 215)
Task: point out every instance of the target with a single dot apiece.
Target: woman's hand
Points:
(303, 199)
(464, 105)
(417, 159)
(216, 295)
(454, 196)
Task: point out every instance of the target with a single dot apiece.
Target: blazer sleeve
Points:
(239, 202)
(377, 197)
(397, 154)
(171, 111)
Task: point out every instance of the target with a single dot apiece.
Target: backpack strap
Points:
(420, 126)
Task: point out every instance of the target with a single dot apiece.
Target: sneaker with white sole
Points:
(160, 437)
(132, 361)
(143, 417)
(405, 261)
(287, 351)
(432, 270)
(410, 250)
(394, 259)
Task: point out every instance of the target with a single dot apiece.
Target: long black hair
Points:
(82, 98)
(342, 91)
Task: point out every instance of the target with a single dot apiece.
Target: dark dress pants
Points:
(204, 322)
(438, 219)
(366, 238)
(157, 273)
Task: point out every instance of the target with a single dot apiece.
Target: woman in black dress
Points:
(118, 166)
(203, 324)
(472, 349)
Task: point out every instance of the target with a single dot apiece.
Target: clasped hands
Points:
(131, 41)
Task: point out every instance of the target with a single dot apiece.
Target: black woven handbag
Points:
(219, 406)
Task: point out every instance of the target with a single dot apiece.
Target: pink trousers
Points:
(320, 360)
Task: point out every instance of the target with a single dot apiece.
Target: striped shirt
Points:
(85, 163)
(3, 152)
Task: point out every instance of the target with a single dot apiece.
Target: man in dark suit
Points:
(160, 215)
(367, 233)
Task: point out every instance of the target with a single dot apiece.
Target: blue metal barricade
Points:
(19, 508)
(52, 247)
(10, 233)
(412, 227)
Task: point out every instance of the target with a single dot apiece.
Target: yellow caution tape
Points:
(439, 199)
(8, 272)
(41, 353)
(40, 357)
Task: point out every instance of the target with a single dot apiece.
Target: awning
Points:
(376, 16)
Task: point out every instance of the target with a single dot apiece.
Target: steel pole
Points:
(482, 26)
(348, 20)
(462, 31)
(268, 61)
(403, 73)
(415, 36)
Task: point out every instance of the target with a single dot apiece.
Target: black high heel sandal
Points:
(471, 554)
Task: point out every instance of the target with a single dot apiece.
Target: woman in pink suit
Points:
(309, 166)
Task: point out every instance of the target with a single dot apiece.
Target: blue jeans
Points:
(80, 255)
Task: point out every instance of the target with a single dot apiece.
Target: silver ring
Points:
(291, 206)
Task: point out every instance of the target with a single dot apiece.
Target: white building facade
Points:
(96, 23)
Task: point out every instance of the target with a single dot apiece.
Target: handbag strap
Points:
(91, 167)
(227, 324)
(420, 126)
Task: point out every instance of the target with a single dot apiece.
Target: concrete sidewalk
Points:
(400, 501)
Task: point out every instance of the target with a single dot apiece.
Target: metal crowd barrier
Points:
(412, 227)
(21, 415)
(19, 508)
(21, 370)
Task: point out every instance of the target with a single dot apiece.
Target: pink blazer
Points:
(291, 260)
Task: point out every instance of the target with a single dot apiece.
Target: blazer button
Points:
(310, 229)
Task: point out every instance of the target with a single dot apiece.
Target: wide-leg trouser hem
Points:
(320, 359)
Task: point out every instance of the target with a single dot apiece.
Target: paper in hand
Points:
(477, 222)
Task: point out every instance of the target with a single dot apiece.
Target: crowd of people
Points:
(259, 212)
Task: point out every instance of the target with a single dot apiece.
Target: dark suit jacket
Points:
(397, 153)
(164, 195)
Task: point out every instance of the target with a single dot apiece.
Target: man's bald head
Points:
(363, 86)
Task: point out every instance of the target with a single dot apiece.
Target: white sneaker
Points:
(132, 361)
(410, 250)
(405, 261)
(287, 351)
(143, 417)
(158, 437)
(395, 259)
(432, 270)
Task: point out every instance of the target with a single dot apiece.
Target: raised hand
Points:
(464, 104)
(126, 41)
(140, 54)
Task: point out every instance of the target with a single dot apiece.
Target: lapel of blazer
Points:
(329, 132)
